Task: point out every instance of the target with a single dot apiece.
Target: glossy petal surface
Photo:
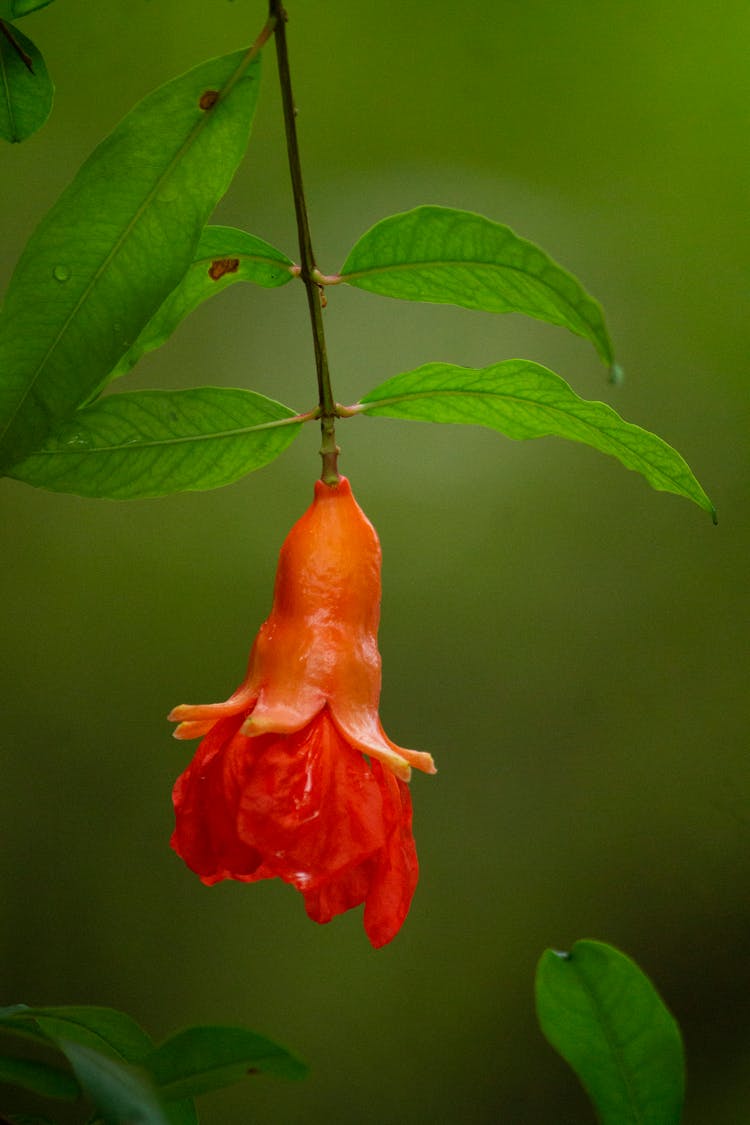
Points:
(280, 786)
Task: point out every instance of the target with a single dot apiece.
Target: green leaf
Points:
(122, 1094)
(13, 9)
(206, 1058)
(34, 1065)
(606, 1019)
(459, 258)
(26, 89)
(40, 1078)
(116, 243)
(224, 256)
(181, 1113)
(151, 443)
(103, 1029)
(522, 400)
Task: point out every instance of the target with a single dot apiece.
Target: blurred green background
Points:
(571, 646)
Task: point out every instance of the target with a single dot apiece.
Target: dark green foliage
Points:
(26, 89)
(102, 1055)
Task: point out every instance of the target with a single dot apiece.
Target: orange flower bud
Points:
(279, 786)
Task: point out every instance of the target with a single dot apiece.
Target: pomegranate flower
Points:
(295, 777)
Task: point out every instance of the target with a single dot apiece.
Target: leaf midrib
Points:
(167, 1088)
(246, 257)
(219, 435)
(511, 398)
(432, 263)
(614, 1047)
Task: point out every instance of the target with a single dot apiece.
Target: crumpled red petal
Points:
(295, 778)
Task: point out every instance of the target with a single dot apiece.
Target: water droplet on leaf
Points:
(61, 273)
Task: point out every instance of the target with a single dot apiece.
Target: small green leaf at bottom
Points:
(122, 1094)
(103, 1029)
(152, 443)
(522, 400)
(606, 1019)
(200, 1059)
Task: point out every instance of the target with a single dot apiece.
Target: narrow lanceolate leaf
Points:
(151, 443)
(522, 400)
(459, 258)
(224, 255)
(122, 1094)
(26, 88)
(200, 1059)
(606, 1019)
(116, 243)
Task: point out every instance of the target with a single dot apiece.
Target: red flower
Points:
(279, 786)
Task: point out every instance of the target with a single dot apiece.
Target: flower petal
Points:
(397, 870)
(341, 894)
(206, 797)
(310, 804)
(362, 728)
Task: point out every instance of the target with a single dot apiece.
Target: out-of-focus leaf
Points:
(606, 1019)
(35, 1066)
(103, 1029)
(182, 1112)
(26, 89)
(116, 243)
(459, 258)
(206, 1058)
(522, 400)
(12, 9)
(151, 443)
(224, 256)
(122, 1094)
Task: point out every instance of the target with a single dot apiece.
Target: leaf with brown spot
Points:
(115, 245)
(221, 266)
(256, 261)
(209, 99)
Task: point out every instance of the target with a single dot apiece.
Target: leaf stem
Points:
(329, 451)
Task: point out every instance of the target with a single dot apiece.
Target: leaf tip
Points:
(616, 375)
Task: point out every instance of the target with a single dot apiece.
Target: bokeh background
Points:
(571, 646)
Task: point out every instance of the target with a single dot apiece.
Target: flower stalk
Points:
(308, 270)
